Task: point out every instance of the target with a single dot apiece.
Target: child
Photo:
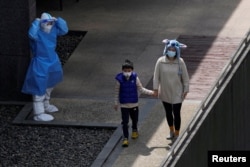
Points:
(126, 95)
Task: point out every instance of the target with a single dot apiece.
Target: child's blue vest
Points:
(128, 88)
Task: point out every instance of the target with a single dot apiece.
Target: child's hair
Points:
(127, 64)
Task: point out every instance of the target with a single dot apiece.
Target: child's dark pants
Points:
(133, 114)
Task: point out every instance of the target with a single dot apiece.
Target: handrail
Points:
(181, 143)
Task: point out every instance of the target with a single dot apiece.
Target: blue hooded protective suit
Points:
(45, 69)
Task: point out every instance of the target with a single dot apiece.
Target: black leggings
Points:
(173, 114)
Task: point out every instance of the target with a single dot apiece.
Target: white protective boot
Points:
(50, 108)
(38, 109)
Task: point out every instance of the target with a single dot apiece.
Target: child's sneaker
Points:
(135, 135)
(125, 142)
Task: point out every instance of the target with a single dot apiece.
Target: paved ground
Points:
(118, 30)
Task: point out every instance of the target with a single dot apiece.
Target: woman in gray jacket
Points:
(171, 83)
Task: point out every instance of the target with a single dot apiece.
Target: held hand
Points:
(155, 93)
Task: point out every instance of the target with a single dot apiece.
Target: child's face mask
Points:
(127, 74)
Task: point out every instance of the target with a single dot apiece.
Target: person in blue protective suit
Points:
(45, 69)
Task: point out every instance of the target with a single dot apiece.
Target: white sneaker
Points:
(43, 117)
(170, 136)
(51, 108)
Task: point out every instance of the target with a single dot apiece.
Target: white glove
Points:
(54, 18)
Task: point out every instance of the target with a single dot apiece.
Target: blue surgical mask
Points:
(171, 53)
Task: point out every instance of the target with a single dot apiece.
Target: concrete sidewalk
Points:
(119, 30)
(151, 147)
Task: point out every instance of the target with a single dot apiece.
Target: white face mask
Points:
(46, 28)
(127, 74)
